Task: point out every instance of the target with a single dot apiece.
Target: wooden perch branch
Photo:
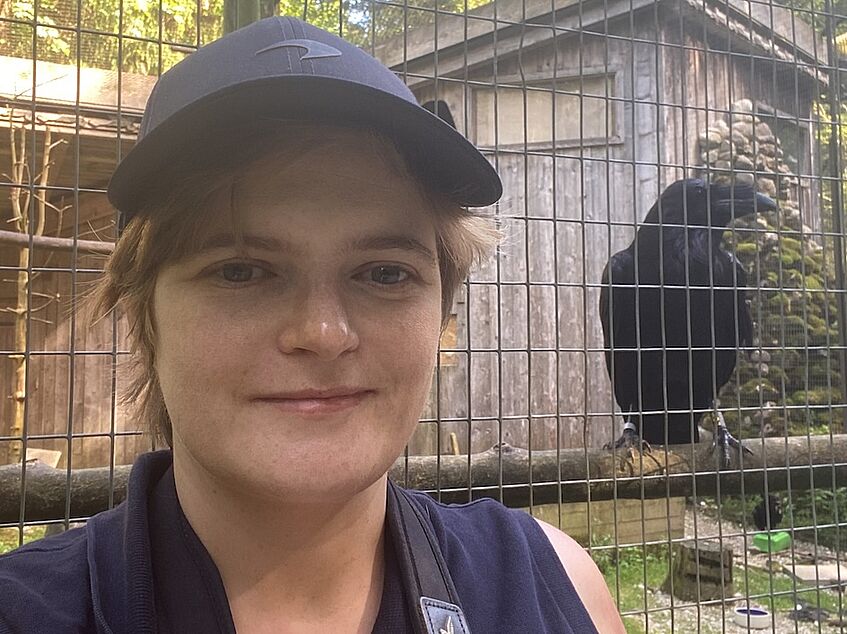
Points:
(796, 463)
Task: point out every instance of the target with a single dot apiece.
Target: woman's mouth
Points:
(316, 402)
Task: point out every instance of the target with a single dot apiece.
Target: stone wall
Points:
(789, 381)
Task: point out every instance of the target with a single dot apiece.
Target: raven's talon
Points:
(629, 441)
(727, 442)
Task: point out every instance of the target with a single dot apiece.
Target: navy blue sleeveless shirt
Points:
(140, 568)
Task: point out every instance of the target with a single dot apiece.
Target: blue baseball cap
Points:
(283, 68)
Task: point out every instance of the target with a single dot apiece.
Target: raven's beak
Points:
(739, 200)
(762, 204)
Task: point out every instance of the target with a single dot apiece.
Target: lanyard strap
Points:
(433, 601)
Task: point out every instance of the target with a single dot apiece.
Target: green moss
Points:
(746, 248)
(759, 386)
(788, 257)
(790, 244)
(820, 396)
(812, 264)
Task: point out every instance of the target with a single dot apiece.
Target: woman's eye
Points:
(388, 275)
(239, 273)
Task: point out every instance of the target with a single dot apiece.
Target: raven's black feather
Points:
(677, 332)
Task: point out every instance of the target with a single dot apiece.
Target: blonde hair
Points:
(167, 228)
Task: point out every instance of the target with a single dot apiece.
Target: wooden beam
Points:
(569, 475)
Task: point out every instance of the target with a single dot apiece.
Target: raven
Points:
(674, 312)
(768, 518)
(441, 110)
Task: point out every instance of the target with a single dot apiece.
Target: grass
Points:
(10, 537)
(627, 589)
(627, 569)
(779, 591)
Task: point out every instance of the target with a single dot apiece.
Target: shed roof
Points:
(80, 106)
(465, 41)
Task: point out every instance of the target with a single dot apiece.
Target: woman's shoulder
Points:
(586, 578)
(472, 524)
(45, 585)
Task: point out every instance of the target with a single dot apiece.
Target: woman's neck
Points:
(307, 567)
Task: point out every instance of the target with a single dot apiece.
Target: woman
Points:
(293, 232)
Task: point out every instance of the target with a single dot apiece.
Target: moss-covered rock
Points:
(788, 271)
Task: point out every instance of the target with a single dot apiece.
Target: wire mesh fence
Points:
(590, 111)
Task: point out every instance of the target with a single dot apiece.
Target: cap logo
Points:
(314, 50)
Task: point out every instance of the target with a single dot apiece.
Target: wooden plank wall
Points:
(621, 521)
(70, 373)
(541, 292)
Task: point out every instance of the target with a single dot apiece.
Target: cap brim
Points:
(440, 155)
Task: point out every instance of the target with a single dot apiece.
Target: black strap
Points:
(433, 600)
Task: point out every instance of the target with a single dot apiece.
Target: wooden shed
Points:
(588, 109)
(66, 403)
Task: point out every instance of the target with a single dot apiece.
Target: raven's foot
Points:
(631, 443)
(727, 444)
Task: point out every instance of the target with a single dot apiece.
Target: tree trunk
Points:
(19, 393)
(239, 13)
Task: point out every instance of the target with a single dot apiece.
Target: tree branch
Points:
(56, 244)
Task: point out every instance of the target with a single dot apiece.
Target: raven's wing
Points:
(617, 306)
(604, 312)
(619, 270)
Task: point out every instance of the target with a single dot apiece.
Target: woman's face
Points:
(297, 366)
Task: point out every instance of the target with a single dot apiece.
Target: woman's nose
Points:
(319, 324)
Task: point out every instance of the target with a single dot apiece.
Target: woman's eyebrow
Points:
(224, 240)
(379, 243)
(370, 243)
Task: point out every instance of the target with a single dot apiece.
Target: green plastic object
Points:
(772, 542)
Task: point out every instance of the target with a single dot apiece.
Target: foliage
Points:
(10, 538)
(128, 34)
(821, 14)
(141, 23)
(824, 507)
(804, 512)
